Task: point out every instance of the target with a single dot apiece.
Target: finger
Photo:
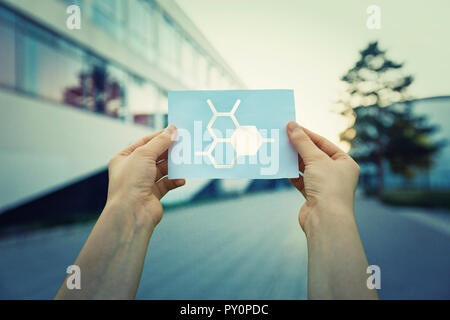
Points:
(324, 144)
(307, 150)
(162, 169)
(138, 143)
(165, 185)
(157, 146)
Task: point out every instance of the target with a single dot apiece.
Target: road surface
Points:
(249, 247)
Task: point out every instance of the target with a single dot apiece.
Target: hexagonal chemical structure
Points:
(246, 140)
(223, 126)
(223, 155)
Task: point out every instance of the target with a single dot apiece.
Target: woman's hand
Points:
(337, 264)
(112, 259)
(330, 175)
(137, 179)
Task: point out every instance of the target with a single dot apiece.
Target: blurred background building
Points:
(437, 177)
(72, 98)
(435, 110)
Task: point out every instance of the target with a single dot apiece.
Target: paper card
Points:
(232, 134)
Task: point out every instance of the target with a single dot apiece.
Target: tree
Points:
(384, 129)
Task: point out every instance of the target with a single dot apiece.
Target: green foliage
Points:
(385, 129)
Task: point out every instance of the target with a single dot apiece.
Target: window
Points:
(163, 110)
(39, 62)
(114, 94)
(168, 45)
(93, 84)
(50, 67)
(104, 88)
(70, 74)
(7, 51)
(163, 103)
(137, 22)
(142, 28)
(142, 101)
(104, 15)
(165, 120)
(71, 2)
(188, 63)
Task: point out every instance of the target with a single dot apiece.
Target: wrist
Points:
(129, 213)
(322, 218)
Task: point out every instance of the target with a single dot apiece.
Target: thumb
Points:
(159, 144)
(307, 150)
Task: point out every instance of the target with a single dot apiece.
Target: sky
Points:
(308, 45)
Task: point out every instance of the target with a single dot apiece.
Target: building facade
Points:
(70, 98)
(436, 112)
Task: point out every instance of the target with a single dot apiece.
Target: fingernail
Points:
(180, 182)
(292, 126)
(172, 131)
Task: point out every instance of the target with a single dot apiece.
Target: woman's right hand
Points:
(337, 264)
(330, 177)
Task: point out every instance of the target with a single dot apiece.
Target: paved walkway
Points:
(243, 248)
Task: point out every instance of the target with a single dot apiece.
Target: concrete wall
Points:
(44, 146)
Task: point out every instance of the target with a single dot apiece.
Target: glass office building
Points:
(36, 60)
(70, 98)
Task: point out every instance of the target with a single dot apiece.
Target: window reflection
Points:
(49, 65)
(99, 89)
(102, 89)
(54, 69)
(39, 62)
(142, 28)
(7, 52)
(104, 15)
(143, 101)
(188, 63)
(168, 44)
(116, 92)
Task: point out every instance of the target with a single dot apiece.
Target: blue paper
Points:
(232, 134)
